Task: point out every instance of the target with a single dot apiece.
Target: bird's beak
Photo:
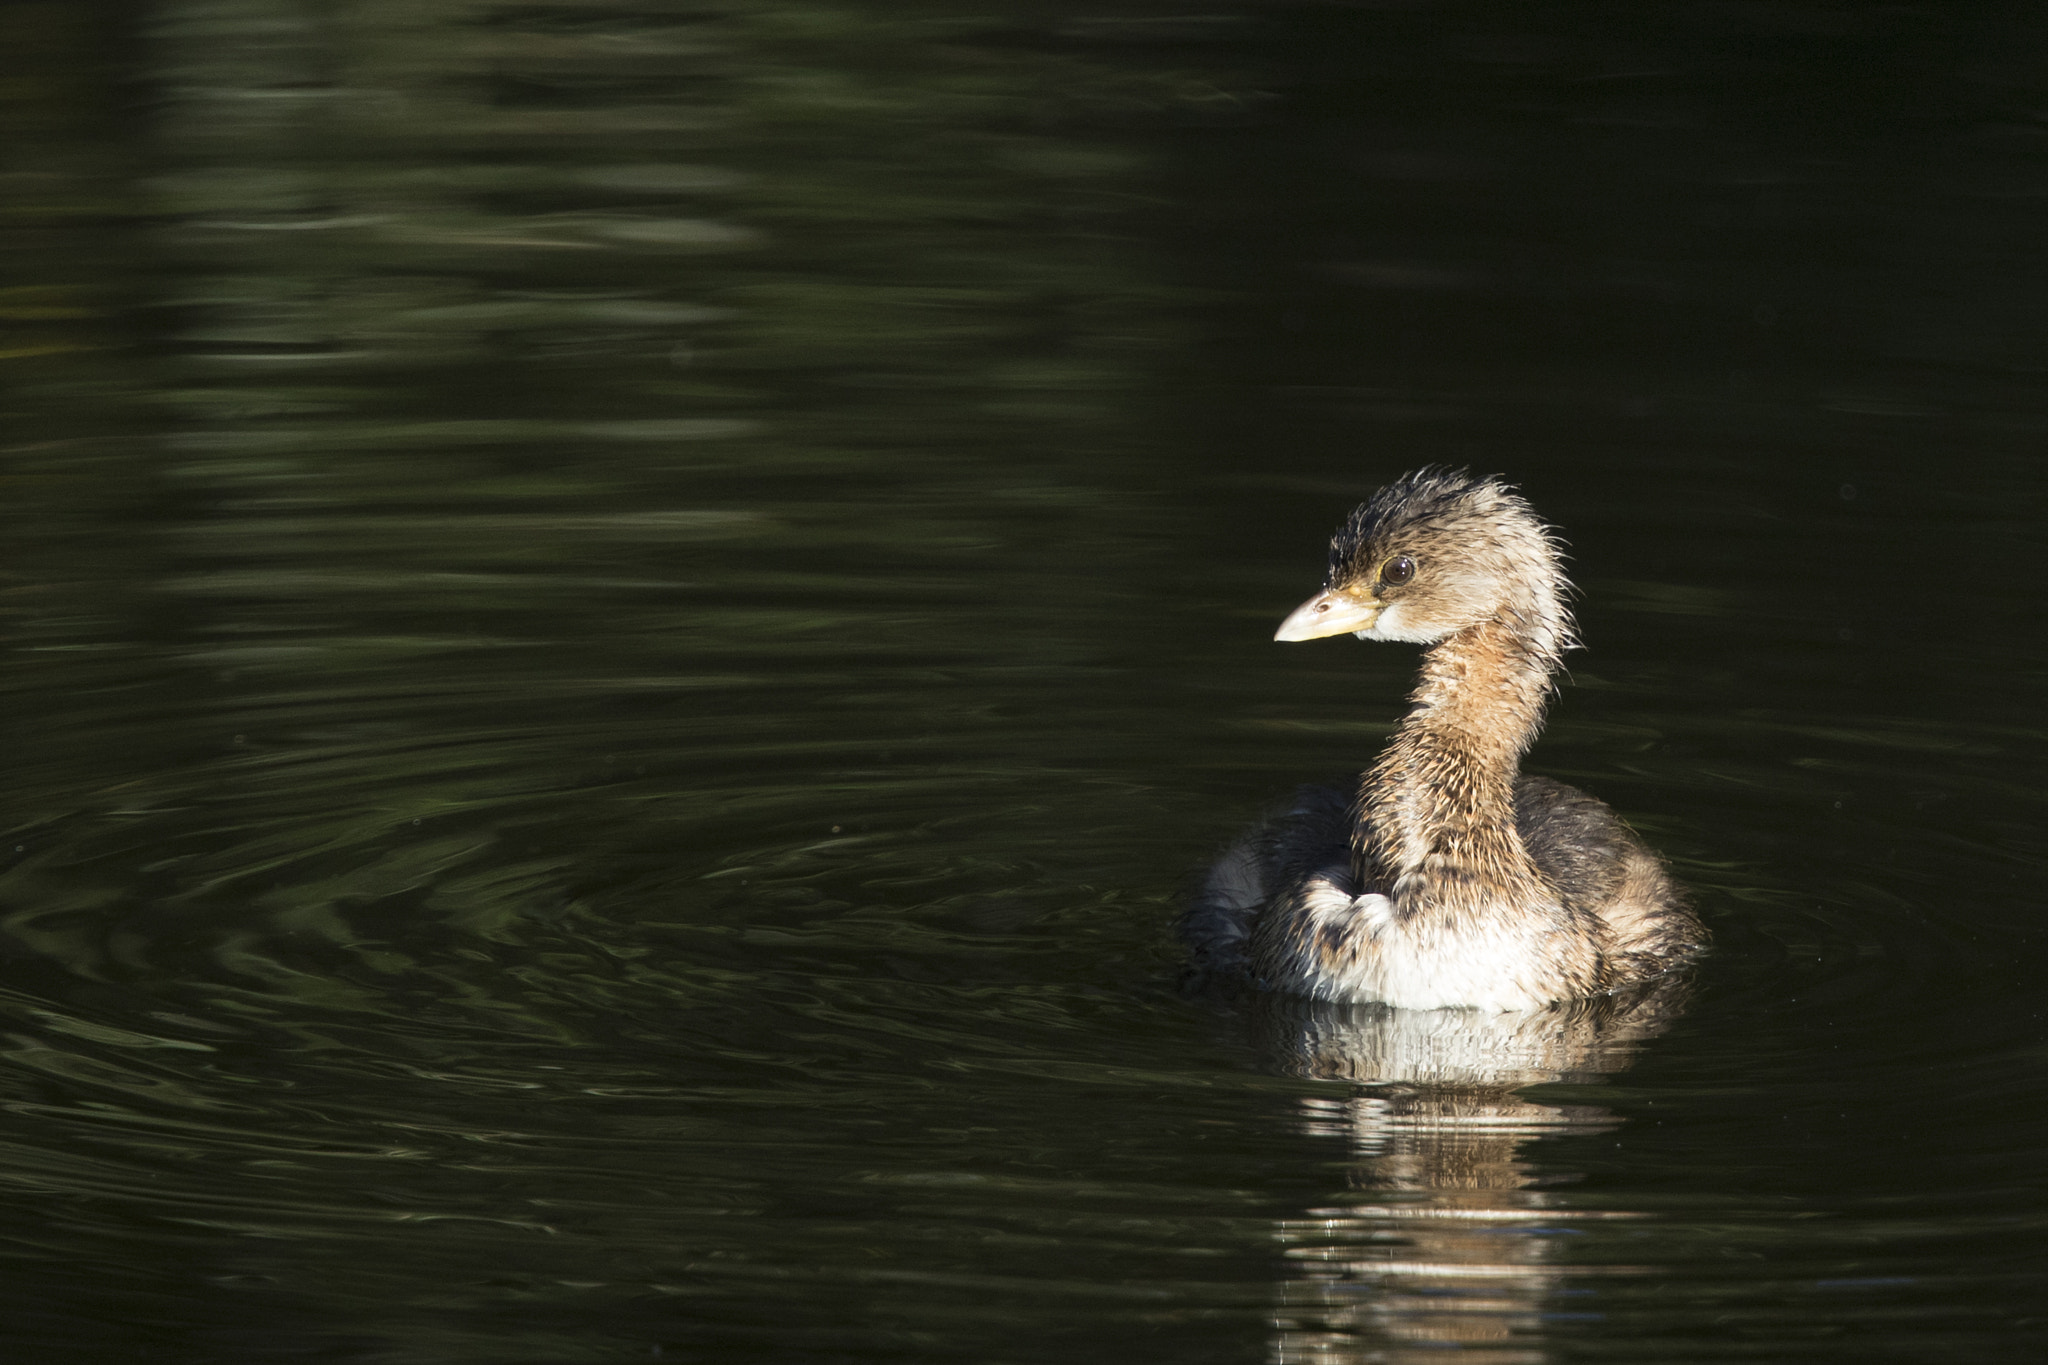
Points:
(1330, 613)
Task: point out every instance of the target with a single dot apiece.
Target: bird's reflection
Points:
(1444, 1243)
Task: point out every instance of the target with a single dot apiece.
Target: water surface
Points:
(624, 624)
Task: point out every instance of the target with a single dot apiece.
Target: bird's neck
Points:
(1436, 820)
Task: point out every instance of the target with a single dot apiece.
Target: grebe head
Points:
(1435, 552)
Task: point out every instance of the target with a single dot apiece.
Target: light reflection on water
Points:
(1443, 1243)
(624, 623)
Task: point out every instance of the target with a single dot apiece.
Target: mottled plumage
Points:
(1446, 878)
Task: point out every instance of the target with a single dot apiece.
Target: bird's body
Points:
(1446, 878)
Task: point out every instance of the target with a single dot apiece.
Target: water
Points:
(625, 622)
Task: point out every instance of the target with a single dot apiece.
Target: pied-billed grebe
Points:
(1446, 878)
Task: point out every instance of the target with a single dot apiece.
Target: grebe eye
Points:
(1397, 571)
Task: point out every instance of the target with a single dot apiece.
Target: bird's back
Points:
(1601, 871)
(1600, 868)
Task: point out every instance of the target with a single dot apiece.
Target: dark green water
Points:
(624, 622)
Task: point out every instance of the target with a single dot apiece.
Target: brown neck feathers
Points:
(1436, 826)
